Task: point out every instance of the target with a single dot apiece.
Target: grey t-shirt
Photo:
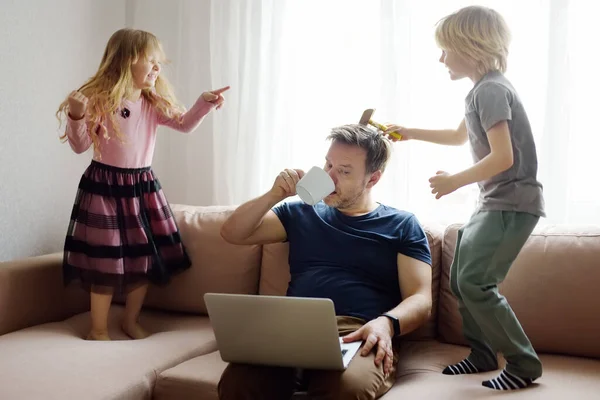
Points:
(493, 99)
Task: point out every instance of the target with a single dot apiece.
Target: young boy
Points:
(474, 43)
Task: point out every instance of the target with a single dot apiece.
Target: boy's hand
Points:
(77, 104)
(398, 129)
(215, 96)
(442, 184)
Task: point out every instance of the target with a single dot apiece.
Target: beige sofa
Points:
(553, 289)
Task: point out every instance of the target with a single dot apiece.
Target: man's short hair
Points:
(377, 146)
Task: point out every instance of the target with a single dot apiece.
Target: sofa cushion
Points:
(420, 377)
(552, 288)
(52, 361)
(217, 266)
(274, 269)
(197, 378)
(275, 275)
(194, 379)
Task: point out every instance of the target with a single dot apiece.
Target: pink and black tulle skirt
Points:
(122, 232)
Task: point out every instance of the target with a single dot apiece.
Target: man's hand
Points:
(285, 183)
(442, 184)
(215, 96)
(376, 332)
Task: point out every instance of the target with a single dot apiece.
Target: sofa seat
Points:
(52, 361)
(197, 378)
(194, 379)
(420, 376)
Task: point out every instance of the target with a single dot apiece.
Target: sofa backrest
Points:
(32, 292)
(217, 266)
(275, 276)
(552, 288)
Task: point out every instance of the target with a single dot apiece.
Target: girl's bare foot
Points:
(134, 331)
(98, 335)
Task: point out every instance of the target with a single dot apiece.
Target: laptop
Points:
(279, 331)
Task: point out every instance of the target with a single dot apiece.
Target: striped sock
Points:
(463, 367)
(507, 381)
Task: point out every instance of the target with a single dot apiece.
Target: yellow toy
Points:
(366, 120)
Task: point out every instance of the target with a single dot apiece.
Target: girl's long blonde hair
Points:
(113, 82)
(477, 33)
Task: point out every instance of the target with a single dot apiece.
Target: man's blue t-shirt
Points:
(350, 260)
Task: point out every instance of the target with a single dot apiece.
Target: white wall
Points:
(50, 48)
(47, 48)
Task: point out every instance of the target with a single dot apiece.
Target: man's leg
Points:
(253, 382)
(492, 248)
(482, 358)
(361, 380)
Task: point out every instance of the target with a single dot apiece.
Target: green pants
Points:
(485, 250)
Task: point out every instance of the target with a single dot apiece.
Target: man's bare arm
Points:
(415, 286)
(254, 222)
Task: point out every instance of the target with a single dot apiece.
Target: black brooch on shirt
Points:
(125, 113)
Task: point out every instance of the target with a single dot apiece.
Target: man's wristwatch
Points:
(395, 323)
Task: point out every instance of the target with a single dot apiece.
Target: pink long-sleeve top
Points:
(138, 130)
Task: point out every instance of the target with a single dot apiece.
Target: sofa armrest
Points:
(32, 293)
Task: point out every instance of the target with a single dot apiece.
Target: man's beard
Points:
(347, 202)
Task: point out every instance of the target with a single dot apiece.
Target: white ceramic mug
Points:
(314, 186)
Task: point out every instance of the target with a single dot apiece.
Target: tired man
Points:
(373, 261)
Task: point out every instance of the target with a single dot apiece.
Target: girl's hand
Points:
(215, 96)
(442, 184)
(77, 104)
(398, 129)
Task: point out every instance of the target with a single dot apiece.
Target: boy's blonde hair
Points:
(477, 33)
(113, 82)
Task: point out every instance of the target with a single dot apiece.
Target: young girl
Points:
(122, 234)
(474, 43)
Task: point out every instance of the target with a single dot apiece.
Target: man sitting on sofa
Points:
(371, 260)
